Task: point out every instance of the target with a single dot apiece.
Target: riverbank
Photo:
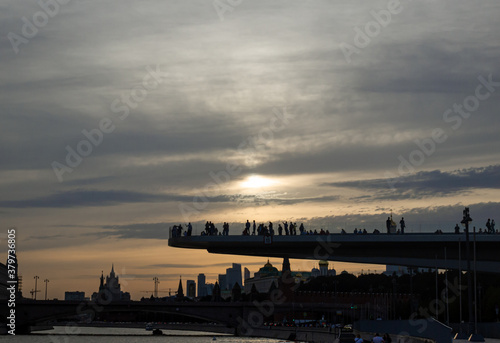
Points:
(317, 335)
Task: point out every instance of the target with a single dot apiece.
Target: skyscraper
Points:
(191, 288)
(210, 288)
(246, 274)
(202, 289)
(223, 281)
(110, 290)
(233, 276)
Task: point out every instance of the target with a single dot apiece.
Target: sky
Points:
(120, 118)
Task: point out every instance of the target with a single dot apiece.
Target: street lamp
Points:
(46, 281)
(474, 337)
(465, 221)
(36, 279)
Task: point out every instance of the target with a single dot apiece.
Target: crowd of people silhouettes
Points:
(287, 229)
(290, 229)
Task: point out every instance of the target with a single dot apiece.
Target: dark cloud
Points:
(426, 184)
(47, 237)
(136, 231)
(89, 198)
(85, 198)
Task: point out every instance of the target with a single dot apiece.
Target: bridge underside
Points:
(31, 312)
(231, 314)
(415, 250)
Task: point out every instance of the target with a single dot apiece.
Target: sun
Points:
(256, 181)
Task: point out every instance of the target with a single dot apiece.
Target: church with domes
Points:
(268, 275)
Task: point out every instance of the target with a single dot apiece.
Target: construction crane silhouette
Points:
(156, 291)
(34, 292)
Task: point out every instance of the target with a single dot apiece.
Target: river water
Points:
(62, 334)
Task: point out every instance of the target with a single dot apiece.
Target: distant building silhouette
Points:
(223, 282)
(233, 276)
(191, 288)
(246, 274)
(323, 268)
(74, 296)
(216, 296)
(236, 292)
(401, 270)
(202, 288)
(210, 288)
(263, 279)
(111, 289)
(286, 265)
(180, 291)
(267, 278)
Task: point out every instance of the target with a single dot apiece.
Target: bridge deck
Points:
(415, 249)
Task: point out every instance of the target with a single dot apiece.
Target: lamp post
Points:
(46, 281)
(474, 336)
(36, 279)
(465, 221)
(460, 278)
(475, 283)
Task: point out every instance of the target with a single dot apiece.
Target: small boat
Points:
(214, 338)
(157, 332)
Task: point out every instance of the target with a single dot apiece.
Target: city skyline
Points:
(122, 119)
(127, 280)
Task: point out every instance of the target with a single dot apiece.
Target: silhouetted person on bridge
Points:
(457, 229)
(388, 225)
(488, 225)
(403, 225)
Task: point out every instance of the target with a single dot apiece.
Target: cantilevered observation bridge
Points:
(427, 250)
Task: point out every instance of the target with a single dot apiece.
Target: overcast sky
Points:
(119, 118)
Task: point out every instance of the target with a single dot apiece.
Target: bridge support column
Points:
(23, 329)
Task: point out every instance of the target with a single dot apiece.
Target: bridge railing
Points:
(236, 229)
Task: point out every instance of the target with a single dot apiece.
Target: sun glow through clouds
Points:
(256, 181)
